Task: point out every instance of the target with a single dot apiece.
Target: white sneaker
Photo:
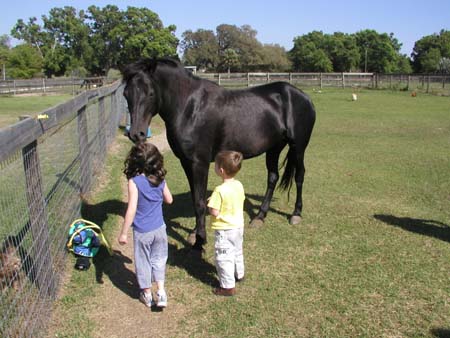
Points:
(161, 298)
(146, 298)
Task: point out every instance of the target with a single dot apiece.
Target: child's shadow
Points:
(182, 255)
(111, 265)
(114, 267)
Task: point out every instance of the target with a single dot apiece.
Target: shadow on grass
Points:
(425, 227)
(112, 266)
(181, 256)
(440, 333)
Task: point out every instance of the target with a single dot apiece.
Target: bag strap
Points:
(89, 225)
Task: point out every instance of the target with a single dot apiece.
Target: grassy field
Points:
(11, 107)
(371, 257)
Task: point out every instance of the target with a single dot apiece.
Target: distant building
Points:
(192, 69)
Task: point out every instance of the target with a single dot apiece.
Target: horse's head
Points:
(141, 94)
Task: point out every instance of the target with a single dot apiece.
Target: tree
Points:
(66, 27)
(429, 51)
(244, 43)
(5, 46)
(106, 27)
(200, 48)
(309, 53)
(343, 52)
(24, 62)
(275, 58)
(143, 35)
(379, 52)
(96, 40)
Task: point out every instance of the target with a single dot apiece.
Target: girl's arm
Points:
(167, 195)
(131, 212)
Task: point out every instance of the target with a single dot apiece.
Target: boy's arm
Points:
(131, 212)
(213, 212)
(214, 203)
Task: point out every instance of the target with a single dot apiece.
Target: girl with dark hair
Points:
(147, 190)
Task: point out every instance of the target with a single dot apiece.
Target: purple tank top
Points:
(149, 206)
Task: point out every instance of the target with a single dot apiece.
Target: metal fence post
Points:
(41, 269)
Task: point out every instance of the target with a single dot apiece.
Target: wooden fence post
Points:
(320, 80)
(248, 79)
(428, 83)
(102, 127)
(84, 152)
(408, 81)
(290, 78)
(41, 271)
(343, 80)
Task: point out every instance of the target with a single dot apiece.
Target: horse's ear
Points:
(149, 65)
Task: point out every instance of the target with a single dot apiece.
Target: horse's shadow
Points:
(425, 227)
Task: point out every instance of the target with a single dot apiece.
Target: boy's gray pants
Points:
(150, 256)
(229, 256)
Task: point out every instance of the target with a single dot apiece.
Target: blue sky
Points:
(276, 21)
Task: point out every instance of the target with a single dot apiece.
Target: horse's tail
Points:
(289, 164)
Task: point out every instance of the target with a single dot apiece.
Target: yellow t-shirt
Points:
(228, 198)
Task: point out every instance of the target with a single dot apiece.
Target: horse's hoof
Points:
(295, 220)
(191, 238)
(256, 223)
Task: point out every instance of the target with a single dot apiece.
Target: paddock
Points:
(369, 259)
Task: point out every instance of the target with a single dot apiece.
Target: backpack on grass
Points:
(85, 239)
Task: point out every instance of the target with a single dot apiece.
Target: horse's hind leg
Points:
(272, 157)
(299, 177)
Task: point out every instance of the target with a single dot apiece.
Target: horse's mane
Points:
(149, 65)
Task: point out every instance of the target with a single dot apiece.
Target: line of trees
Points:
(93, 41)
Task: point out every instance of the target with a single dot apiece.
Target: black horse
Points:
(203, 118)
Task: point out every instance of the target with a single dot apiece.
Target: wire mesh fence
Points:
(45, 167)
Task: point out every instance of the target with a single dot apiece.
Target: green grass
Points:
(371, 257)
(11, 107)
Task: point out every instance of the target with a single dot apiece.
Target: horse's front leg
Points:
(197, 174)
(272, 157)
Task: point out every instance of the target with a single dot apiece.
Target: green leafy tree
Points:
(75, 41)
(429, 51)
(32, 34)
(343, 52)
(200, 48)
(275, 58)
(66, 27)
(24, 62)
(309, 53)
(243, 41)
(379, 52)
(144, 35)
(230, 59)
(106, 27)
(5, 46)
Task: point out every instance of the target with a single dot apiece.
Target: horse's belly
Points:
(255, 143)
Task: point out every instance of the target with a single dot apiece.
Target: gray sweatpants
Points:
(229, 256)
(150, 256)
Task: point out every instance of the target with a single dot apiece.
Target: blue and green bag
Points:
(85, 239)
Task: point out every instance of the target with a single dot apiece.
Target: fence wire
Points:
(40, 190)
